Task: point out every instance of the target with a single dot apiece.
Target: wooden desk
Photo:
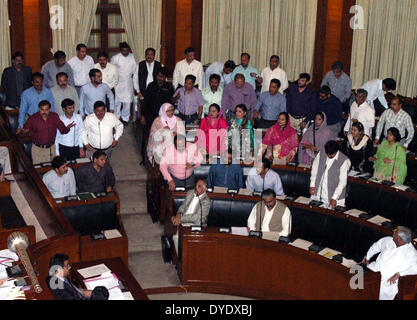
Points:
(260, 269)
(117, 267)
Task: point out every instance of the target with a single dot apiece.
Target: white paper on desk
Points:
(245, 192)
(112, 234)
(349, 263)
(107, 280)
(93, 271)
(116, 294)
(271, 236)
(329, 253)
(303, 200)
(378, 220)
(281, 198)
(400, 187)
(353, 173)
(128, 296)
(301, 244)
(374, 180)
(355, 213)
(240, 231)
(307, 166)
(220, 190)
(83, 160)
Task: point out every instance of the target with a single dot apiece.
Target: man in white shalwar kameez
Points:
(126, 65)
(397, 258)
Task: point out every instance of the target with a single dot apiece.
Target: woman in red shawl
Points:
(211, 136)
(281, 141)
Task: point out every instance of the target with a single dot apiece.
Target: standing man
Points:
(42, 127)
(396, 117)
(95, 91)
(126, 63)
(274, 72)
(70, 146)
(190, 101)
(63, 91)
(188, 66)
(329, 175)
(223, 70)
(157, 93)
(332, 107)
(362, 112)
(301, 103)
(270, 105)
(250, 73)
(236, 93)
(31, 98)
(108, 70)
(339, 83)
(58, 65)
(213, 94)
(15, 80)
(146, 72)
(97, 133)
(376, 91)
(81, 65)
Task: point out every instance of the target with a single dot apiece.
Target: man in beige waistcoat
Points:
(274, 215)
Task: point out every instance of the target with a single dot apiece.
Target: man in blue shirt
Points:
(332, 107)
(95, 91)
(270, 105)
(30, 99)
(250, 73)
(228, 175)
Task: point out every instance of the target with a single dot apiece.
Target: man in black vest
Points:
(148, 70)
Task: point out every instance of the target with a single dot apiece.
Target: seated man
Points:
(275, 216)
(178, 163)
(263, 178)
(194, 211)
(397, 258)
(97, 176)
(58, 282)
(229, 175)
(329, 176)
(60, 181)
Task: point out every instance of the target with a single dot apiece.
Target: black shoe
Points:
(166, 249)
(125, 124)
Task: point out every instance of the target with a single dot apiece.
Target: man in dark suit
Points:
(58, 282)
(15, 80)
(148, 70)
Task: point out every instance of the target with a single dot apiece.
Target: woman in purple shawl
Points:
(314, 139)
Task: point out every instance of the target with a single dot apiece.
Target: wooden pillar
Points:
(46, 32)
(333, 37)
(32, 34)
(17, 32)
(169, 31)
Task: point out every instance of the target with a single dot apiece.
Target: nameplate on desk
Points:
(303, 200)
(180, 189)
(38, 166)
(210, 190)
(70, 198)
(257, 194)
(304, 166)
(100, 194)
(245, 192)
(232, 191)
(220, 190)
(86, 196)
(46, 164)
(83, 160)
(71, 162)
(225, 230)
(196, 229)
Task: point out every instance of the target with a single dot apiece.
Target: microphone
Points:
(235, 189)
(200, 227)
(228, 229)
(318, 203)
(391, 183)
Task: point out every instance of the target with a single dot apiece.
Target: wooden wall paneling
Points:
(319, 50)
(197, 26)
(184, 26)
(17, 31)
(168, 36)
(45, 29)
(31, 21)
(346, 36)
(333, 33)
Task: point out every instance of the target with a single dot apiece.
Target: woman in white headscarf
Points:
(163, 130)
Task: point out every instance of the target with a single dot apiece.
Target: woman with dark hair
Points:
(390, 160)
(241, 131)
(358, 147)
(280, 142)
(212, 132)
(314, 139)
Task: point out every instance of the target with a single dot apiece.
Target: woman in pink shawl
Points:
(314, 139)
(163, 130)
(211, 136)
(281, 141)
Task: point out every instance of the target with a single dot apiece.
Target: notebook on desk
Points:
(86, 196)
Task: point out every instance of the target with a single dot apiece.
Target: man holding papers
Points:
(397, 258)
(270, 215)
(329, 176)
